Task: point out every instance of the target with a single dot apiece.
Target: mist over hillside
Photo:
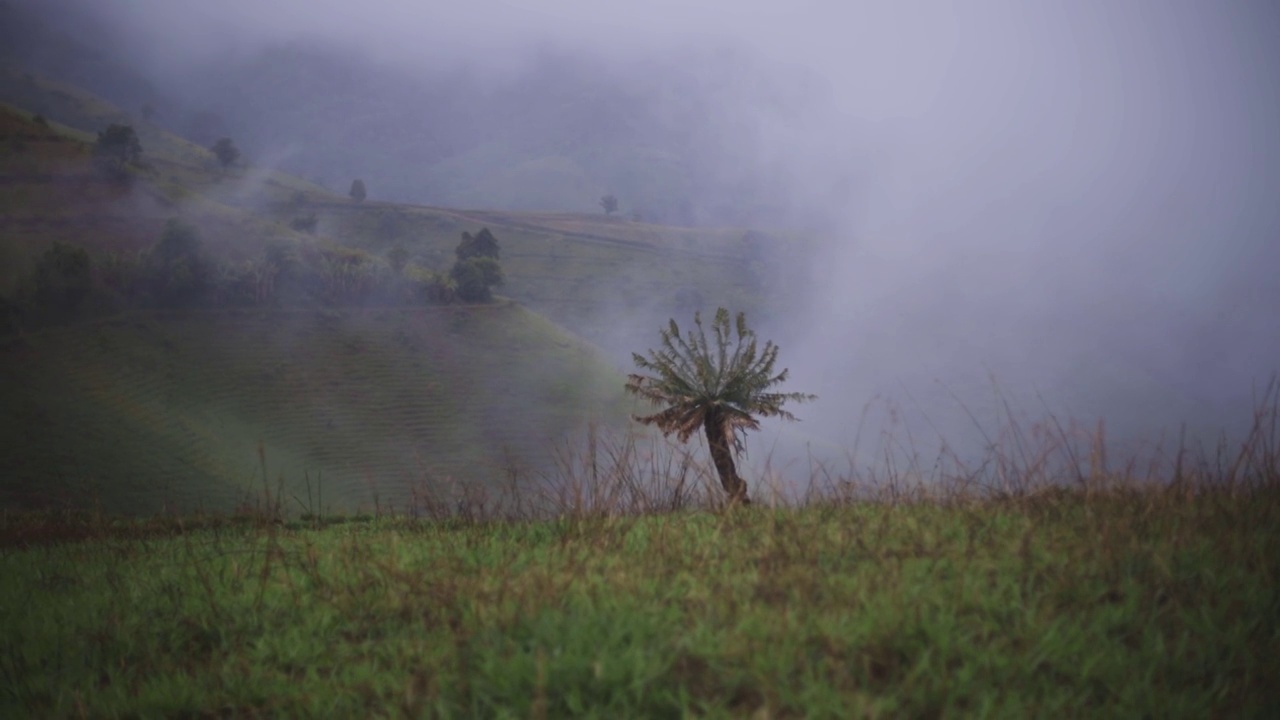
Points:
(1078, 201)
(678, 137)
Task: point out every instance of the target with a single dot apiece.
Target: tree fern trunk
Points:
(722, 457)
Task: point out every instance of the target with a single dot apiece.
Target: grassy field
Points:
(1157, 602)
(155, 409)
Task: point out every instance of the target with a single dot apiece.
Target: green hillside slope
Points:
(139, 408)
(169, 408)
(50, 193)
(582, 271)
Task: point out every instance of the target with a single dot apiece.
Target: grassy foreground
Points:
(1122, 603)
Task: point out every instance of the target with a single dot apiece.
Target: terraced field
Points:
(157, 410)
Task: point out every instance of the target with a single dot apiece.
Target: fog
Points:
(1077, 200)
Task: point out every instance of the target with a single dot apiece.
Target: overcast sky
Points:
(1061, 188)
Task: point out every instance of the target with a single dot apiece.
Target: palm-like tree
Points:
(721, 389)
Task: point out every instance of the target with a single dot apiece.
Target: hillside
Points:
(137, 407)
(151, 409)
(49, 192)
(593, 274)
(665, 133)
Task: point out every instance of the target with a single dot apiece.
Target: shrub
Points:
(226, 152)
(298, 279)
(477, 269)
(176, 272)
(430, 287)
(357, 191)
(475, 278)
(348, 275)
(252, 283)
(117, 147)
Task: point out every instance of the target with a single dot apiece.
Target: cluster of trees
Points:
(477, 270)
(67, 281)
(118, 149)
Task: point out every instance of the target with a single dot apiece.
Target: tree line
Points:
(70, 281)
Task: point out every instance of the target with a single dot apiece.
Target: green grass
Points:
(1152, 603)
(168, 409)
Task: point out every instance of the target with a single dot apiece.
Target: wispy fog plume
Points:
(1077, 199)
(1083, 209)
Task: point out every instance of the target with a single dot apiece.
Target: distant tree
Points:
(117, 147)
(226, 152)
(720, 390)
(475, 278)
(40, 120)
(177, 272)
(482, 244)
(610, 204)
(477, 269)
(63, 278)
(148, 112)
(357, 191)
